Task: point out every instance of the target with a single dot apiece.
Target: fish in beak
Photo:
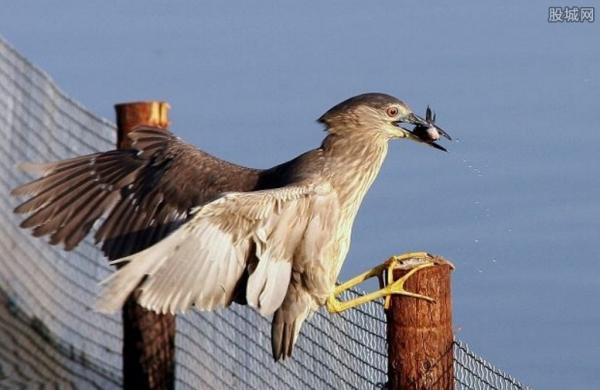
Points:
(427, 131)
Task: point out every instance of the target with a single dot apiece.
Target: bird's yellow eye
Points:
(392, 111)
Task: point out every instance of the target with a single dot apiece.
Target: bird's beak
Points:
(401, 132)
(437, 146)
(416, 120)
(412, 119)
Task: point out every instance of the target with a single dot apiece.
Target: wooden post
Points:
(130, 115)
(420, 338)
(148, 338)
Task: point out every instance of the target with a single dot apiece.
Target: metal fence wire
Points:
(50, 335)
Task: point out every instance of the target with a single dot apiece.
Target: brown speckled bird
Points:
(198, 231)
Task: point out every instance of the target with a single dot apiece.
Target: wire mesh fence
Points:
(231, 349)
(52, 289)
(473, 372)
(50, 334)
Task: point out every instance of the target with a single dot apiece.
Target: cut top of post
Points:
(134, 114)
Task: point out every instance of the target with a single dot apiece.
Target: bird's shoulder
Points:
(306, 168)
(296, 187)
(191, 171)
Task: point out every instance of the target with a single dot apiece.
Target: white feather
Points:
(268, 284)
(203, 260)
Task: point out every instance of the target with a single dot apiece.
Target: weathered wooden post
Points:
(420, 338)
(148, 338)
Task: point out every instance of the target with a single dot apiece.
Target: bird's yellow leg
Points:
(392, 287)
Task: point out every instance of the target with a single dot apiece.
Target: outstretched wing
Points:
(144, 192)
(202, 261)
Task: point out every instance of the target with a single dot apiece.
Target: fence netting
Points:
(50, 334)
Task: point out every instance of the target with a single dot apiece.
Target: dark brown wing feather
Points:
(144, 192)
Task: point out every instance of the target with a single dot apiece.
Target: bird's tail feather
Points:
(288, 320)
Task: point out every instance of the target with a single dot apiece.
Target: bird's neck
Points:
(352, 163)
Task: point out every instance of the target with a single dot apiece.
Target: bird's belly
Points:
(334, 257)
(337, 254)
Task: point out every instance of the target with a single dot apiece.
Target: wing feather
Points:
(144, 192)
(203, 260)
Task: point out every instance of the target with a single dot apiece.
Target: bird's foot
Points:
(414, 261)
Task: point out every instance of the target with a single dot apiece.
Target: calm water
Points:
(515, 204)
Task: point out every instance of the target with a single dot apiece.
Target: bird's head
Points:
(378, 114)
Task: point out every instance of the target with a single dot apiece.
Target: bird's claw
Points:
(414, 261)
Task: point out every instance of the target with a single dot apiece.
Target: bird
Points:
(191, 230)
